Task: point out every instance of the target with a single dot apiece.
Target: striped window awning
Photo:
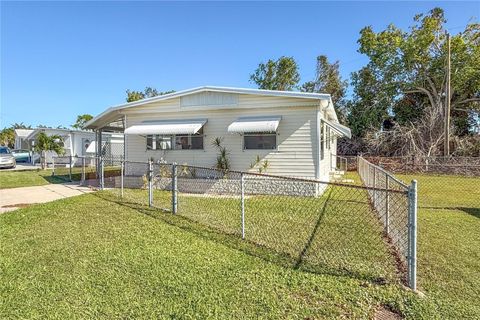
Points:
(254, 124)
(338, 128)
(167, 127)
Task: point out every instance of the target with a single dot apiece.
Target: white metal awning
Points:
(255, 124)
(340, 129)
(167, 127)
(91, 147)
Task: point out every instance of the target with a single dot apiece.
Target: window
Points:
(159, 142)
(329, 138)
(176, 142)
(259, 141)
(322, 141)
(189, 141)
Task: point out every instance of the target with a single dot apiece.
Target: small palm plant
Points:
(261, 166)
(223, 159)
(46, 143)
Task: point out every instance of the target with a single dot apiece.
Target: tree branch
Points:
(423, 90)
(468, 100)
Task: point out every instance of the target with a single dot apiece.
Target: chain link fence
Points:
(312, 225)
(443, 182)
(397, 213)
(73, 168)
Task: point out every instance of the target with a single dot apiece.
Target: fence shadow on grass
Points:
(56, 179)
(471, 211)
(308, 244)
(248, 247)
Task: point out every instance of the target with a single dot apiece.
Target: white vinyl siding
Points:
(294, 155)
(296, 151)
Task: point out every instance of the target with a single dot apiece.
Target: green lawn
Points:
(28, 178)
(95, 256)
(87, 257)
(15, 179)
(444, 191)
(449, 242)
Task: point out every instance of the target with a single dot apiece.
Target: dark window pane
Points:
(197, 142)
(149, 142)
(188, 142)
(322, 141)
(260, 141)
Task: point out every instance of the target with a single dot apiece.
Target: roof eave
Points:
(289, 94)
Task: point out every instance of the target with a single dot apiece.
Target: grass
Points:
(29, 178)
(449, 261)
(335, 233)
(96, 257)
(446, 191)
(449, 242)
(88, 257)
(15, 179)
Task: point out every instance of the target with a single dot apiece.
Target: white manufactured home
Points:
(21, 141)
(295, 132)
(76, 143)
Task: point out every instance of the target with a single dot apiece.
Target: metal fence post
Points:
(387, 204)
(70, 168)
(242, 202)
(174, 188)
(122, 171)
(102, 169)
(412, 235)
(82, 179)
(150, 183)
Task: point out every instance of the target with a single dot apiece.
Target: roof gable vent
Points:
(209, 98)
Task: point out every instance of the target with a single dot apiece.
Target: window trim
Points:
(258, 134)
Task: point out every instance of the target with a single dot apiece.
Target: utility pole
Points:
(446, 148)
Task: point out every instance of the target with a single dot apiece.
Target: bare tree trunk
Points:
(44, 160)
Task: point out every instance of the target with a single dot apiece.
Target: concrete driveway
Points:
(15, 198)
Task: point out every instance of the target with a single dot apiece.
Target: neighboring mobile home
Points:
(78, 143)
(21, 141)
(295, 131)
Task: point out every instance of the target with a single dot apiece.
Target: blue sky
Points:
(61, 59)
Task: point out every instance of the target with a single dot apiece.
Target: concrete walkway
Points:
(15, 198)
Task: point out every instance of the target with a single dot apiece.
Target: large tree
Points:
(368, 108)
(281, 74)
(409, 68)
(82, 119)
(328, 80)
(149, 92)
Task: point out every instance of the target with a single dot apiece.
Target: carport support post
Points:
(102, 182)
(412, 235)
(122, 170)
(174, 188)
(242, 202)
(150, 183)
(70, 167)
